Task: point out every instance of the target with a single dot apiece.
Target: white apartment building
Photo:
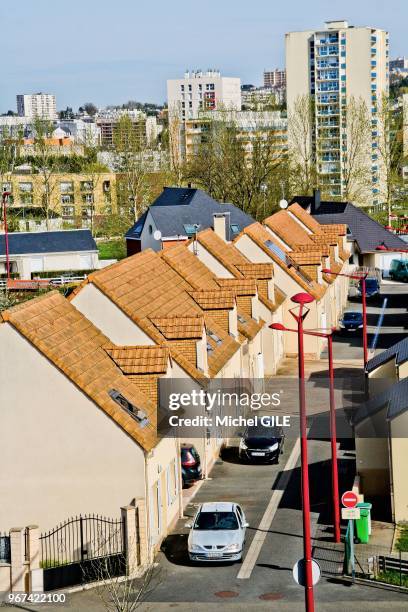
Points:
(333, 65)
(274, 78)
(40, 105)
(202, 91)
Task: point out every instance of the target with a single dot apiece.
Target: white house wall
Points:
(61, 455)
(110, 319)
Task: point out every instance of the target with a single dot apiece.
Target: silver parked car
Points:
(217, 532)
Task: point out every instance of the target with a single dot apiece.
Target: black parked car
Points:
(261, 443)
(351, 321)
(190, 464)
(372, 288)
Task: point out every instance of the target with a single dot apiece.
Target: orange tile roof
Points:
(146, 287)
(139, 359)
(180, 327)
(75, 346)
(189, 266)
(306, 257)
(213, 299)
(256, 270)
(226, 253)
(260, 236)
(305, 218)
(238, 286)
(287, 229)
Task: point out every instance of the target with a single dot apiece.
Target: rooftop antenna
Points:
(283, 203)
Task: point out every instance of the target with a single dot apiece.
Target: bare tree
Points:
(390, 152)
(46, 164)
(123, 590)
(240, 159)
(132, 165)
(301, 155)
(175, 134)
(356, 162)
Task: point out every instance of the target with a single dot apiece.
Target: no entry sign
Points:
(349, 499)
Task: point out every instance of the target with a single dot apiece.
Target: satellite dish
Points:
(283, 203)
(157, 235)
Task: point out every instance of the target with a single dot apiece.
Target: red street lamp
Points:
(301, 299)
(361, 277)
(5, 196)
(333, 432)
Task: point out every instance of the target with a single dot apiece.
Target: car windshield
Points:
(352, 316)
(371, 283)
(210, 521)
(270, 433)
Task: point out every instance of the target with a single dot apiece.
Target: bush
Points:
(402, 542)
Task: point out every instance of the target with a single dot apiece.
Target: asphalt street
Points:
(394, 326)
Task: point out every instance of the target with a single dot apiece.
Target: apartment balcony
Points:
(327, 40)
(333, 168)
(329, 157)
(330, 111)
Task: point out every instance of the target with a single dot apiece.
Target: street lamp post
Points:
(5, 196)
(361, 277)
(333, 429)
(301, 299)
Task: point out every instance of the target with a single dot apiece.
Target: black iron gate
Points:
(82, 549)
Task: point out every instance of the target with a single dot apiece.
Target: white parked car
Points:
(217, 532)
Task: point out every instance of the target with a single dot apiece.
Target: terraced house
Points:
(299, 255)
(257, 295)
(142, 300)
(80, 435)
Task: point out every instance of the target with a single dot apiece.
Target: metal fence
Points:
(81, 538)
(5, 553)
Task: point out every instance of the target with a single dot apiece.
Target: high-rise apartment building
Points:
(203, 91)
(274, 79)
(334, 65)
(40, 105)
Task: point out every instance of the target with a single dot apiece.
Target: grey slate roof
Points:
(399, 351)
(23, 243)
(367, 233)
(395, 399)
(179, 206)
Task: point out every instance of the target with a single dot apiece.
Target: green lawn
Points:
(112, 249)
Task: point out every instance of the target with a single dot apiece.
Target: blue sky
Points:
(111, 51)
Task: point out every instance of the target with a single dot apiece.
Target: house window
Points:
(26, 198)
(150, 229)
(7, 187)
(26, 187)
(67, 199)
(68, 211)
(234, 228)
(87, 186)
(67, 187)
(214, 337)
(87, 198)
(124, 403)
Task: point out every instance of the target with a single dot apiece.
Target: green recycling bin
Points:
(363, 524)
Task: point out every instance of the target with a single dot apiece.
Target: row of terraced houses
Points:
(79, 374)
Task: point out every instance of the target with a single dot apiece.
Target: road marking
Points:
(263, 527)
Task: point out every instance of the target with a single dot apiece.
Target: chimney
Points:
(222, 225)
(316, 200)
